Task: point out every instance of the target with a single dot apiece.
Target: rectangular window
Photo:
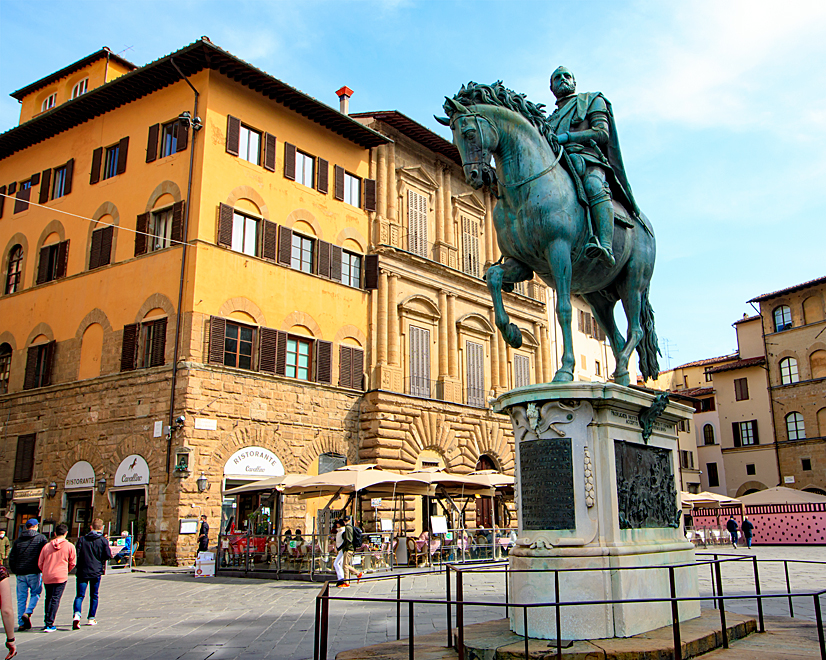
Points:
(169, 138)
(152, 344)
(24, 460)
(21, 202)
(521, 370)
(417, 223)
(110, 165)
(419, 362)
(470, 240)
(708, 375)
(5, 369)
(713, 478)
(597, 368)
(52, 264)
(302, 254)
(299, 358)
(38, 366)
(475, 358)
(351, 269)
(806, 464)
(352, 190)
(59, 185)
(686, 459)
(305, 169)
(245, 234)
(160, 228)
(747, 432)
(707, 405)
(101, 252)
(741, 389)
(249, 145)
(351, 367)
(238, 342)
(750, 469)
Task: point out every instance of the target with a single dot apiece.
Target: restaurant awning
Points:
(707, 500)
(270, 483)
(456, 485)
(368, 479)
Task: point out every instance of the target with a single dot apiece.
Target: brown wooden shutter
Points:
(35, 179)
(225, 225)
(267, 348)
(217, 333)
(97, 156)
(323, 176)
(158, 348)
(107, 234)
(43, 265)
(22, 201)
(178, 222)
(141, 237)
(12, 188)
(45, 182)
(323, 259)
(324, 361)
(233, 138)
(754, 431)
(345, 366)
(30, 379)
(335, 263)
(281, 354)
(123, 148)
(285, 245)
(371, 271)
(270, 243)
(338, 193)
(24, 460)
(289, 161)
(70, 170)
(129, 347)
(357, 378)
(735, 431)
(2, 199)
(48, 358)
(269, 152)
(369, 194)
(181, 137)
(152, 143)
(94, 253)
(62, 259)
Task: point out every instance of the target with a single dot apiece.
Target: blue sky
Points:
(720, 106)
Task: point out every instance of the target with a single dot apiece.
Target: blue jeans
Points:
(94, 585)
(25, 583)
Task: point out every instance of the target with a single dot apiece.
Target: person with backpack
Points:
(92, 552)
(57, 558)
(23, 563)
(352, 539)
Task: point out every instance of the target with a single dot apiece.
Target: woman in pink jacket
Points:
(57, 558)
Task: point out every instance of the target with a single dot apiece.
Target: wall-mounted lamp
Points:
(10, 493)
(51, 489)
(203, 483)
(102, 485)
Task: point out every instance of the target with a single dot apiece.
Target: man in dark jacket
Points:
(203, 535)
(92, 552)
(23, 562)
(748, 530)
(731, 526)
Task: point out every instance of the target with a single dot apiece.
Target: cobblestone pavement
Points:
(173, 616)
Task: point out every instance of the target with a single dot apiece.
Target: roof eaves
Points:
(791, 289)
(416, 132)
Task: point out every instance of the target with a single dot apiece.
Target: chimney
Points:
(344, 95)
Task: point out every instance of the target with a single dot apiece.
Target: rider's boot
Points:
(600, 247)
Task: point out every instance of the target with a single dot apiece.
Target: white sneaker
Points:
(91, 622)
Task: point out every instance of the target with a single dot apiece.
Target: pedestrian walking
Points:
(23, 560)
(7, 612)
(731, 526)
(338, 563)
(748, 530)
(57, 558)
(203, 535)
(349, 546)
(5, 546)
(92, 552)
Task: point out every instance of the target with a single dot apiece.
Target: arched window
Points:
(708, 434)
(80, 88)
(14, 274)
(817, 363)
(782, 318)
(795, 427)
(5, 367)
(788, 371)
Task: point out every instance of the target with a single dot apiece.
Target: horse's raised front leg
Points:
(559, 258)
(508, 272)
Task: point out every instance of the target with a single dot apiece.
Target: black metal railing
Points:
(458, 603)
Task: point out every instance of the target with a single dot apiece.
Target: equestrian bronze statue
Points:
(565, 211)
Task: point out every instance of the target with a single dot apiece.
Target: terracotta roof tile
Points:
(740, 364)
(791, 289)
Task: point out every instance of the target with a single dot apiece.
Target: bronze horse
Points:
(542, 228)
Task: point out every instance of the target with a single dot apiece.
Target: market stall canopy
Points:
(368, 479)
(495, 479)
(271, 483)
(782, 495)
(456, 485)
(707, 500)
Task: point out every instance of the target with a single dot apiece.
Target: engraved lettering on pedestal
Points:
(546, 479)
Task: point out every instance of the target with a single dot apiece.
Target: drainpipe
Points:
(179, 316)
(771, 395)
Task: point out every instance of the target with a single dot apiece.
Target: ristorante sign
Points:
(254, 463)
(132, 471)
(80, 475)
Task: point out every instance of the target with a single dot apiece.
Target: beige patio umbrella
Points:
(456, 485)
(707, 500)
(359, 479)
(494, 479)
(782, 495)
(270, 483)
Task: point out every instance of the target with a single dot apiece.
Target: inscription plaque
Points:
(647, 496)
(546, 479)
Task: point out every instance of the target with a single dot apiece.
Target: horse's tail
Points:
(648, 348)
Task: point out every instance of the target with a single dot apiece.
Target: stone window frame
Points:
(475, 328)
(785, 321)
(416, 179)
(420, 311)
(795, 426)
(789, 370)
(467, 206)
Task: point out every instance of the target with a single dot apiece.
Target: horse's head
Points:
(476, 138)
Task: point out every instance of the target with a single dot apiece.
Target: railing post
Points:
(713, 585)
(819, 617)
(507, 594)
(558, 617)
(325, 613)
(720, 598)
(525, 621)
(410, 630)
(460, 615)
(316, 628)
(398, 606)
(447, 594)
(675, 615)
(788, 588)
(757, 593)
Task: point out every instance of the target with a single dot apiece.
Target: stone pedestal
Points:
(592, 493)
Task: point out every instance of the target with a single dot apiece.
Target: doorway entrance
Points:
(22, 512)
(484, 505)
(130, 509)
(79, 514)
